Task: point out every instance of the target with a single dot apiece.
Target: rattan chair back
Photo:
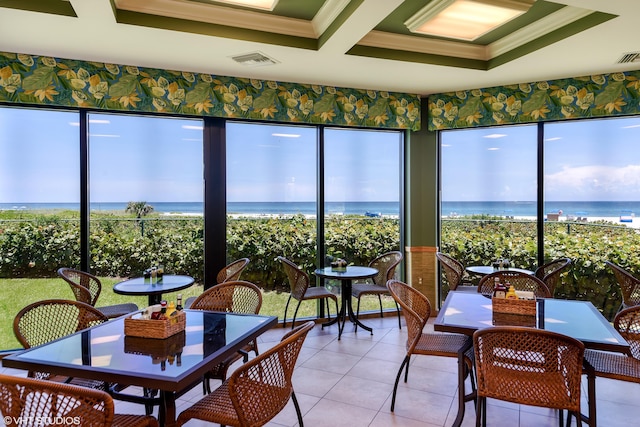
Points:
(27, 401)
(528, 366)
(627, 323)
(232, 271)
(235, 296)
(453, 269)
(550, 272)
(519, 280)
(85, 286)
(44, 321)
(416, 310)
(629, 285)
(298, 279)
(258, 390)
(386, 265)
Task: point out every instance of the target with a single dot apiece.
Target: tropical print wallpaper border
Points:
(601, 95)
(43, 80)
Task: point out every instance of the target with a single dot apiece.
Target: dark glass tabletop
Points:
(465, 313)
(352, 272)
(105, 353)
(145, 286)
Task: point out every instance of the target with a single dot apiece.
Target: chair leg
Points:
(298, 411)
(286, 307)
(399, 316)
(406, 370)
(395, 386)
(357, 314)
(293, 322)
(380, 302)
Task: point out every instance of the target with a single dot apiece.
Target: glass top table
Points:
(465, 313)
(483, 270)
(171, 365)
(352, 272)
(154, 288)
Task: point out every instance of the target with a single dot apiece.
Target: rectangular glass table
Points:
(172, 365)
(465, 313)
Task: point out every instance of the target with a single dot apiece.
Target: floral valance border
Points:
(42, 80)
(602, 95)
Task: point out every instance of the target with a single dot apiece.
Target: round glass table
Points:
(154, 288)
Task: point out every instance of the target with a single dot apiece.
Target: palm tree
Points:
(140, 209)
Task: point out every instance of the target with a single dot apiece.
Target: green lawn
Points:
(17, 293)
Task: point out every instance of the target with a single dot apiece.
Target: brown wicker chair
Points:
(455, 273)
(520, 281)
(528, 366)
(258, 390)
(629, 285)
(616, 366)
(23, 399)
(230, 272)
(417, 309)
(44, 321)
(550, 273)
(231, 297)
(86, 287)
(386, 265)
(301, 290)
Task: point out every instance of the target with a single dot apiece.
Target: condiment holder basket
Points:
(523, 307)
(154, 347)
(154, 328)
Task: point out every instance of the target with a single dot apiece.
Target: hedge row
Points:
(122, 247)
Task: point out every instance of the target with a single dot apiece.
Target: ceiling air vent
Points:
(254, 59)
(629, 57)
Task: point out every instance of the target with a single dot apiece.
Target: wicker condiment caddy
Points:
(154, 347)
(153, 328)
(523, 307)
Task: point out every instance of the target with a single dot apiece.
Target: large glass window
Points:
(592, 198)
(146, 195)
(489, 195)
(39, 207)
(271, 202)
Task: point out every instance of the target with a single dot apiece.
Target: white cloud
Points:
(594, 182)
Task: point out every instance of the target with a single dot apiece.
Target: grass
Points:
(18, 293)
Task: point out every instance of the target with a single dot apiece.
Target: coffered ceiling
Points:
(348, 43)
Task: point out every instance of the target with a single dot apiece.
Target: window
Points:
(156, 165)
(489, 195)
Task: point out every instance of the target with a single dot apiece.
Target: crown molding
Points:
(220, 15)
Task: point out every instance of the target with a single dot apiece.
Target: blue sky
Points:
(597, 160)
(160, 159)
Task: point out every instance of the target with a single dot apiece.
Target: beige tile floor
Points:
(349, 383)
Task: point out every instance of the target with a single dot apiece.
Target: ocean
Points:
(584, 209)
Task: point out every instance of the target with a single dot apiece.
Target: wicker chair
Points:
(258, 390)
(528, 366)
(617, 366)
(44, 321)
(301, 290)
(417, 309)
(26, 398)
(230, 272)
(629, 285)
(520, 282)
(87, 287)
(455, 273)
(230, 297)
(386, 265)
(550, 273)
